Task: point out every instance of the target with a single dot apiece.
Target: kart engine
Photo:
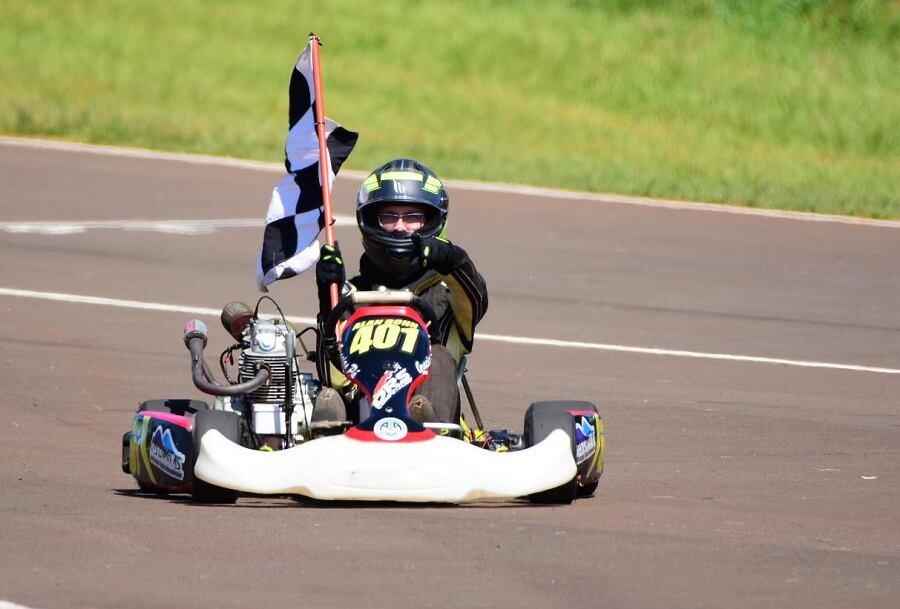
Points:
(272, 344)
(267, 348)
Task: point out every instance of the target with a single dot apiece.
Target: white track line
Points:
(139, 153)
(8, 605)
(515, 340)
(178, 227)
(549, 342)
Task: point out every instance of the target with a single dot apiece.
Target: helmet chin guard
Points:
(394, 253)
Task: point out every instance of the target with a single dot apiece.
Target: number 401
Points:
(383, 337)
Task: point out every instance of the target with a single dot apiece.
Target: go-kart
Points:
(263, 435)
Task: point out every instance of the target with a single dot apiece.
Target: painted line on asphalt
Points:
(176, 227)
(514, 340)
(549, 342)
(529, 191)
(9, 605)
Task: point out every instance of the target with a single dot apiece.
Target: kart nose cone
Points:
(442, 470)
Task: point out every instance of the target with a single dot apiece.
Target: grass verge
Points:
(789, 104)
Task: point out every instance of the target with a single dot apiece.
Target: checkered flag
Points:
(295, 214)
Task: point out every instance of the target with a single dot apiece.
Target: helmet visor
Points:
(409, 222)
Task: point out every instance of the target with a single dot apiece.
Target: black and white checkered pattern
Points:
(295, 214)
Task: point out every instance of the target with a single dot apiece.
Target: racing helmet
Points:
(402, 181)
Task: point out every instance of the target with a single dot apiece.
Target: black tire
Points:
(126, 452)
(541, 419)
(179, 407)
(588, 489)
(149, 489)
(229, 425)
(564, 406)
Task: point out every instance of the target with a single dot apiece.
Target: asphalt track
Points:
(729, 483)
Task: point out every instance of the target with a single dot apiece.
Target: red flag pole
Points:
(324, 174)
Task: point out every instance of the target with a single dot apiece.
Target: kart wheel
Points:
(542, 419)
(126, 452)
(179, 407)
(149, 489)
(570, 406)
(588, 489)
(229, 425)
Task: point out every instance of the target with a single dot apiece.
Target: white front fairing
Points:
(440, 469)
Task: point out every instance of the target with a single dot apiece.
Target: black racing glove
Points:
(438, 254)
(329, 269)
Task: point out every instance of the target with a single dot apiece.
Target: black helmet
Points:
(400, 181)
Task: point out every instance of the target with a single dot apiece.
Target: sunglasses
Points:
(389, 220)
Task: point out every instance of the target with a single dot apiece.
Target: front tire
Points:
(542, 419)
(229, 425)
(588, 489)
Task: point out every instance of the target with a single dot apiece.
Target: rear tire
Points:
(177, 407)
(180, 407)
(229, 425)
(542, 419)
(149, 489)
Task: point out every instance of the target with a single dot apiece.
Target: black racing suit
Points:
(459, 300)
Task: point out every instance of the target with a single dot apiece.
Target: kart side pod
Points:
(439, 469)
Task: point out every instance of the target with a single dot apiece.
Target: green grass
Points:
(790, 104)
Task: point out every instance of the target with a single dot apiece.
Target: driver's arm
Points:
(468, 290)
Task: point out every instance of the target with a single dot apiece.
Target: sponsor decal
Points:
(165, 455)
(385, 321)
(351, 369)
(423, 366)
(390, 384)
(390, 429)
(585, 439)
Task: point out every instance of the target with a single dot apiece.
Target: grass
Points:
(791, 104)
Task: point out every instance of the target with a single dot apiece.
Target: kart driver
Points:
(401, 211)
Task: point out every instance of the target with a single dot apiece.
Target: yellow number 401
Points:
(383, 337)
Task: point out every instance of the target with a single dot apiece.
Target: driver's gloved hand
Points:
(329, 269)
(438, 254)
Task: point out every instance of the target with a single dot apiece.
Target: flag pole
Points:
(324, 164)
